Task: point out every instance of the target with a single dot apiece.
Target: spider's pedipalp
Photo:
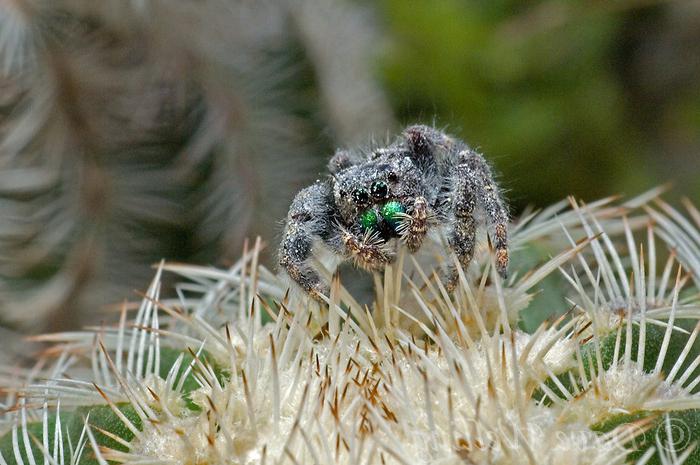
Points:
(368, 251)
(414, 226)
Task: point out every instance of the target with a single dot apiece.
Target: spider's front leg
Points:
(308, 222)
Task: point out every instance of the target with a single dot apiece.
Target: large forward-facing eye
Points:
(379, 190)
(360, 196)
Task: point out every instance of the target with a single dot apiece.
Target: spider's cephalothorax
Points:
(371, 202)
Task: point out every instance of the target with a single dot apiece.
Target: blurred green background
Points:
(566, 97)
(132, 131)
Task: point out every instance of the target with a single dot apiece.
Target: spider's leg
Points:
(425, 143)
(461, 233)
(476, 171)
(341, 160)
(308, 222)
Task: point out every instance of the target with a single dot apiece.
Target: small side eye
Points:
(379, 190)
(360, 196)
(342, 193)
(392, 177)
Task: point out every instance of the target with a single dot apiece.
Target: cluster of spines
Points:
(342, 384)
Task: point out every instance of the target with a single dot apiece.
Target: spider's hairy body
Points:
(396, 194)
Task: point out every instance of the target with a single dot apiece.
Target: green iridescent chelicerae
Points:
(391, 212)
(369, 220)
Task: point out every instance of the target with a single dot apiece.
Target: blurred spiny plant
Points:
(131, 130)
(239, 370)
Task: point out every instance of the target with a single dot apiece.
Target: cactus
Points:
(236, 368)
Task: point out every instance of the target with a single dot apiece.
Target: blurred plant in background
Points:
(136, 130)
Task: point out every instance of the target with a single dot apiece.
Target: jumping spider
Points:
(425, 178)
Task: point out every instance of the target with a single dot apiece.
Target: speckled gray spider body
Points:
(374, 201)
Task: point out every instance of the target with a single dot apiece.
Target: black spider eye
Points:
(393, 177)
(342, 193)
(360, 196)
(379, 190)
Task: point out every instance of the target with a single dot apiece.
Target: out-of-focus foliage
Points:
(567, 97)
(136, 130)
